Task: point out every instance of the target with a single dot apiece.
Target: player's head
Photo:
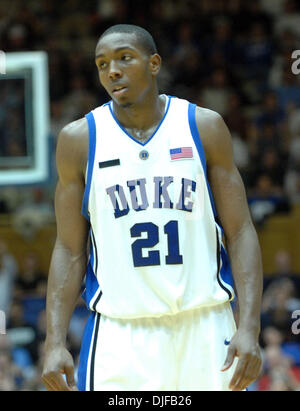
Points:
(126, 57)
(143, 37)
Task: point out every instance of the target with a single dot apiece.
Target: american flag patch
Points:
(181, 152)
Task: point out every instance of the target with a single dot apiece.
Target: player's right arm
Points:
(69, 258)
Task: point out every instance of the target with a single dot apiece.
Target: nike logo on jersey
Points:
(123, 199)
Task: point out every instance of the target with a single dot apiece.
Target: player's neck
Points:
(142, 115)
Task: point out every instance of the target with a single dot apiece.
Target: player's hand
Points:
(243, 345)
(58, 361)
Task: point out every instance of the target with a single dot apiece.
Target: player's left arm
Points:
(241, 243)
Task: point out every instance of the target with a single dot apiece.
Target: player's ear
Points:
(155, 64)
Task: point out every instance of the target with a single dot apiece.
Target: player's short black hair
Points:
(144, 38)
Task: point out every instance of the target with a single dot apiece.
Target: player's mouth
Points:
(119, 90)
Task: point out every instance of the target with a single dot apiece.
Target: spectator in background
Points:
(235, 117)
(283, 266)
(268, 154)
(269, 138)
(185, 49)
(285, 283)
(7, 373)
(187, 74)
(30, 277)
(292, 180)
(293, 122)
(279, 374)
(289, 91)
(282, 61)
(59, 85)
(270, 112)
(257, 54)
(17, 38)
(46, 14)
(58, 120)
(287, 42)
(271, 337)
(240, 153)
(21, 333)
(289, 19)
(273, 7)
(237, 122)
(32, 215)
(255, 14)
(79, 100)
(218, 48)
(216, 94)
(265, 199)
(278, 304)
(292, 176)
(10, 374)
(273, 165)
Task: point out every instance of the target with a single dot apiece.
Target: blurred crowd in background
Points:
(231, 56)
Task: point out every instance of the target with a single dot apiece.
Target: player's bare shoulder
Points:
(214, 133)
(72, 147)
(209, 122)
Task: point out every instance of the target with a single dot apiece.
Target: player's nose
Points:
(114, 71)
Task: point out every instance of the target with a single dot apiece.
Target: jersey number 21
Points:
(153, 257)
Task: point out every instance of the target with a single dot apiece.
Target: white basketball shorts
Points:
(181, 352)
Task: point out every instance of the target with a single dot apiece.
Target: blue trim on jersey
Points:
(91, 157)
(225, 272)
(196, 135)
(94, 248)
(84, 352)
(200, 149)
(91, 281)
(129, 135)
(91, 285)
(93, 353)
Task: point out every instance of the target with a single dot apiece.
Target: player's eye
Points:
(126, 57)
(102, 65)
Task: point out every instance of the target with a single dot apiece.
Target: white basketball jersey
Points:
(155, 246)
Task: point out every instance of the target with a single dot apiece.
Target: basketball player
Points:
(143, 180)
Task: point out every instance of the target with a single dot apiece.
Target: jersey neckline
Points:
(128, 134)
